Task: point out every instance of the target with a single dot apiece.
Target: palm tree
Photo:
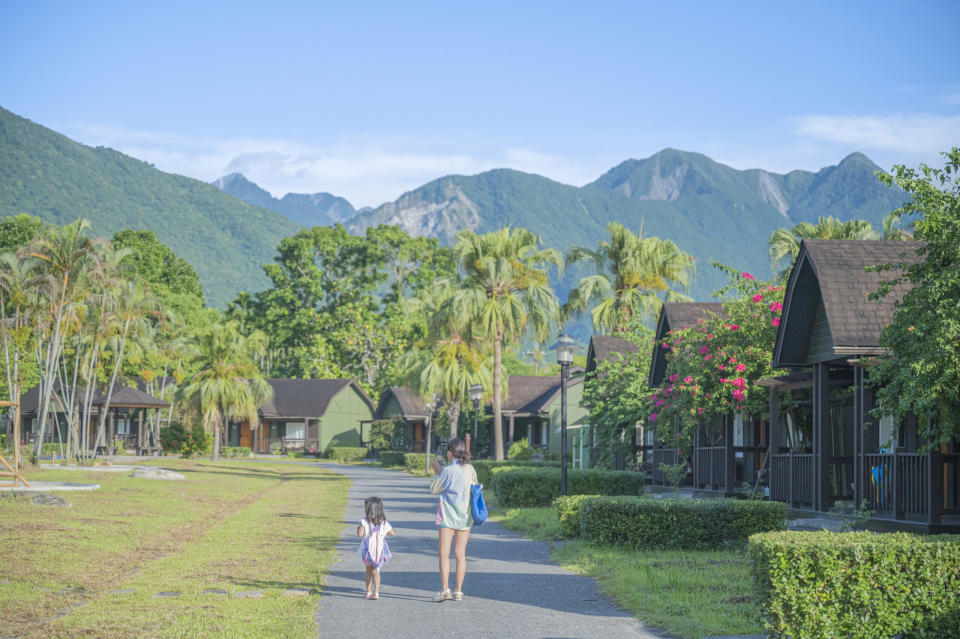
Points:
(785, 243)
(450, 361)
(892, 230)
(632, 272)
(229, 384)
(503, 290)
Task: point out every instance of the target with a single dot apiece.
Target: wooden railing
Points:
(792, 479)
(895, 484)
(710, 469)
(951, 483)
(666, 456)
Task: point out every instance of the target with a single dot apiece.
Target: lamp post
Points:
(564, 348)
(476, 392)
(426, 445)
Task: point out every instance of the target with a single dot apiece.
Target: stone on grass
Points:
(248, 594)
(297, 592)
(170, 593)
(152, 472)
(46, 499)
(215, 591)
(121, 591)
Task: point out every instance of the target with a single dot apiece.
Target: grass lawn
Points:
(234, 525)
(687, 593)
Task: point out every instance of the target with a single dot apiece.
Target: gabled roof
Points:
(411, 404)
(604, 347)
(675, 316)
(306, 398)
(829, 281)
(122, 397)
(532, 394)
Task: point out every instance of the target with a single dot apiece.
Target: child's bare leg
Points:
(376, 580)
(368, 576)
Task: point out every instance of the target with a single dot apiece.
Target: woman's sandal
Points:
(443, 595)
(370, 595)
(458, 596)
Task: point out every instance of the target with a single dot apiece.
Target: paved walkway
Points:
(512, 588)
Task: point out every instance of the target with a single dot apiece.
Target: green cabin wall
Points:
(342, 418)
(576, 415)
(821, 341)
(392, 409)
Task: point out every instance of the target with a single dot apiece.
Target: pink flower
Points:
(734, 327)
(708, 356)
(747, 276)
(776, 321)
(700, 410)
(776, 306)
(664, 345)
(687, 379)
(710, 336)
(738, 395)
(733, 360)
(653, 417)
(739, 382)
(659, 403)
(757, 298)
(678, 452)
(674, 378)
(703, 350)
(720, 367)
(741, 368)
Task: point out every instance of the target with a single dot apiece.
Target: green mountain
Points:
(306, 209)
(227, 241)
(708, 209)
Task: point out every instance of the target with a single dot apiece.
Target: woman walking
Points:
(452, 483)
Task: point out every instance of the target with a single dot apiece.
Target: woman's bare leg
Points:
(368, 576)
(443, 551)
(460, 552)
(376, 580)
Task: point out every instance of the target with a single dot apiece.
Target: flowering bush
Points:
(712, 367)
(177, 439)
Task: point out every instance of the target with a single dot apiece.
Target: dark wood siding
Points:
(821, 341)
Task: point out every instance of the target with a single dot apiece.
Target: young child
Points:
(374, 551)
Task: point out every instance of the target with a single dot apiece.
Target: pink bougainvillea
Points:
(747, 276)
(776, 321)
(776, 306)
(758, 298)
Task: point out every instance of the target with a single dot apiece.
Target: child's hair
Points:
(458, 449)
(373, 509)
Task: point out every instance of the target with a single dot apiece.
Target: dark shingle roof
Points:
(844, 284)
(603, 347)
(530, 394)
(675, 316)
(411, 404)
(305, 398)
(122, 397)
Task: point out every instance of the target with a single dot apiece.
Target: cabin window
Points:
(296, 430)
(886, 432)
(123, 426)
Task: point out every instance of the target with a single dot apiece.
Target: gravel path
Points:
(512, 588)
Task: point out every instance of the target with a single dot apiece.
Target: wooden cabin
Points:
(306, 415)
(602, 349)
(126, 419)
(403, 404)
(532, 410)
(727, 452)
(825, 445)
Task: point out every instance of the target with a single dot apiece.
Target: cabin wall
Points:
(342, 420)
(821, 341)
(577, 414)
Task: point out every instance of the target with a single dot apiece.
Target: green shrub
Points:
(568, 511)
(520, 450)
(525, 487)
(52, 447)
(681, 524)
(484, 467)
(858, 584)
(348, 454)
(236, 451)
(175, 438)
(3, 441)
(414, 462)
(392, 458)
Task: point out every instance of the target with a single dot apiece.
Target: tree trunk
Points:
(216, 440)
(497, 418)
(453, 413)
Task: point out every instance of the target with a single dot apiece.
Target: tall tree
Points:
(921, 373)
(632, 273)
(502, 291)
(229, 384)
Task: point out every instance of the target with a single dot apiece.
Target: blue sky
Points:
(372, 99)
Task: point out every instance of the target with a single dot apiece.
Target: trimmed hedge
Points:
(392, 458)
(568, 511)
(484, 467)
(524, 487)
(415, 462)
(859, 584)
(346, 454)
(236, 451)
(682, 524)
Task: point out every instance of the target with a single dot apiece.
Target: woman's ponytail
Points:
(458, 449)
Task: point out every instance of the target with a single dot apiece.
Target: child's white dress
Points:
(374, 550)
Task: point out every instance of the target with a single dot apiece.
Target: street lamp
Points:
(564, 348)
(476, 392)
(430, 405)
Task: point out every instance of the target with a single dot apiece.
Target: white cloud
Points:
(922, 135)
(364, 172)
